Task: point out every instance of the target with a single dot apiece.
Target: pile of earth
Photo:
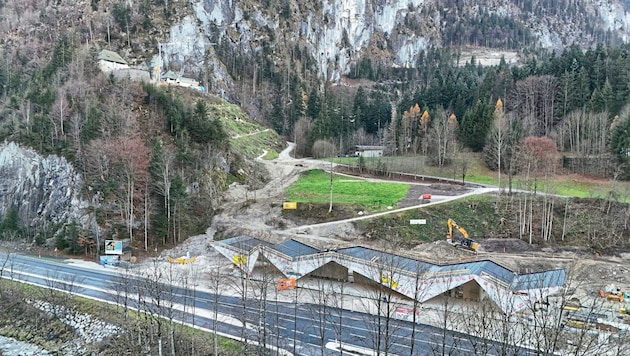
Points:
(315, 213)
(510, 245)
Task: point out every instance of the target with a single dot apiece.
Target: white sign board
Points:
(417, 221)
(113, 247)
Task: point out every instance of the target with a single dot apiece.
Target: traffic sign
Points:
(417, 221)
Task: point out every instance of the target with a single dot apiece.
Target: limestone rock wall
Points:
(43, 189)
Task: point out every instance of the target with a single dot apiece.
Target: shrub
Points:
(323, 148)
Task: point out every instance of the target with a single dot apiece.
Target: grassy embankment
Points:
(350, 194)
(567, 185)
(246, 136)
(487, 216)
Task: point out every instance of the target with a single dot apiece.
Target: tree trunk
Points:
(146, 215)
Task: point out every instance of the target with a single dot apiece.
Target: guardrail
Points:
(420, 177)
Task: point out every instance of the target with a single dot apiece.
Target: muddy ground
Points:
(259, 214)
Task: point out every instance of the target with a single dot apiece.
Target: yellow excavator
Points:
(464, 241)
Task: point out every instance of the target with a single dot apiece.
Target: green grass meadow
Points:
(314, 187)
(476, 172)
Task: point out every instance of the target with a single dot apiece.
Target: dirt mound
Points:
(441, 252)
(508, 245)
(447, 189)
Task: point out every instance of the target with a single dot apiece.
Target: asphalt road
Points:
(299, 328)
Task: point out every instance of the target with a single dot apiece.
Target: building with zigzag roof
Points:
(409, 277)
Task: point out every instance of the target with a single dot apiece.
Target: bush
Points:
(323, 148)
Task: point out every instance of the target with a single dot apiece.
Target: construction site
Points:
(406, 277)
(521, 286)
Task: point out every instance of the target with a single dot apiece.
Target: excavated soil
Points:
(258, 213)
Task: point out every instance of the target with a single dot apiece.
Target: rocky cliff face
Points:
(338, 33)
(44, 189)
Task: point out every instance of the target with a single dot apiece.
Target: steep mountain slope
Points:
(240, 49)
(268, 57)
(337, 34)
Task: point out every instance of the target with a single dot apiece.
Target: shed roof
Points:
(244, 242)
(370, 148)
(510, 279)
(295, 248)
(110, 56)
(170, 75)
(538, 279)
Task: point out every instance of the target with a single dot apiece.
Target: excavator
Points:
(465, 241)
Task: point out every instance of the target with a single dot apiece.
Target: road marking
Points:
(350, 349)
(175, 306)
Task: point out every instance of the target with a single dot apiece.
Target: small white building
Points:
(188, 83)
(171, 78)
(109, 61)
(369, 151)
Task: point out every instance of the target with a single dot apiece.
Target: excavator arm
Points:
(452, 224)
(466, 241)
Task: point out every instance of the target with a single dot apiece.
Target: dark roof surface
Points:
(511, 279)
(295, 248)
(244, 242)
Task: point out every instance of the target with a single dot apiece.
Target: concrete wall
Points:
(136, 75)
(107, 67)
(471, 291)
(370, 153)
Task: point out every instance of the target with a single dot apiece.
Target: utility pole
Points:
(331, 180)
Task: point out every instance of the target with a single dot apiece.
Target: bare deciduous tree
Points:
(383, 302)
(498, 137)
(442, 138)
(301, 130)
(319, 311)
(323, 148)
(131, 157)
(533, 99)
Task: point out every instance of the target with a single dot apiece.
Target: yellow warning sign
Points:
(389, 281)
(289, 205)
(240, 260)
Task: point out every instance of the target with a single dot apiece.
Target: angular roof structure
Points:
(110, 56)
(413, 278)
(170, 75)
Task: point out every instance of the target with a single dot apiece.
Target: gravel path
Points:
(258, 213)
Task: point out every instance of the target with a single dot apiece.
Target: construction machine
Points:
(465, 241)
(613, 294)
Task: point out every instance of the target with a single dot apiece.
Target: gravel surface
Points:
(256, 213)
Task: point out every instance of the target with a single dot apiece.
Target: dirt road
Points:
(258, 213)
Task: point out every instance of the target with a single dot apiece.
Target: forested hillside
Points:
(154, 159)
(576, 98)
